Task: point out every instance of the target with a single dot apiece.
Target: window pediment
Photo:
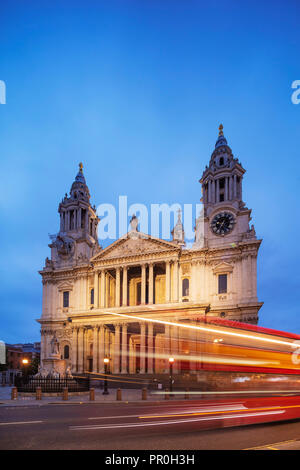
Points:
(65, 286)
(223, 268)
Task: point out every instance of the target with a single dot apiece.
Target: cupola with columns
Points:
(222, 179)
(77, 238)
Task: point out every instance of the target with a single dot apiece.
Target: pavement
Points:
(128, 396)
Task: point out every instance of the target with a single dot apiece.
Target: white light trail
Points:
(206, 329)
(179, 421)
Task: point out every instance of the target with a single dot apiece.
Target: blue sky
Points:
(136, 91)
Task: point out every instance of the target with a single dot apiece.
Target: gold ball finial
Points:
(221, 129)
(80, 166)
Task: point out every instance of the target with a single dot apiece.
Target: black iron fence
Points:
(51, 384)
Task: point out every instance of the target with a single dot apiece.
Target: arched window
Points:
(221, 161)
(185, 287)
(66, 352)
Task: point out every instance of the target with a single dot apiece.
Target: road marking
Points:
(271, 446)
(20, 422)
(159, 423)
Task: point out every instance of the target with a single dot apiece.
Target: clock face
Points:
(222, 223)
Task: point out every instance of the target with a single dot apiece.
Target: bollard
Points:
(167, 396)
(38, 393)
(187, 395)
(65, 393)
(144, 394)
(92, 394)
(14, 393)
(119, 394)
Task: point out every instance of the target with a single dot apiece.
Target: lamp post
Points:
(25, 363)
(171, 362)
(106, 362)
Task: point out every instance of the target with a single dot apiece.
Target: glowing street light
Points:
(106, 362)
(25, 363)
(171, 362)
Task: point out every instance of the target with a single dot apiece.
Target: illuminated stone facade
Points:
(142, 277)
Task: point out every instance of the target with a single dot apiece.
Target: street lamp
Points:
(171, 362)
(106, 362)
(25, 363)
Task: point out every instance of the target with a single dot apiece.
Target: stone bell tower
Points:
(76, 241)
(230, 241)
(226, 217)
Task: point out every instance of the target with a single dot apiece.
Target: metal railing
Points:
(52, 385)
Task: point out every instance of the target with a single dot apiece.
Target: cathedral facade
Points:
(119, 303)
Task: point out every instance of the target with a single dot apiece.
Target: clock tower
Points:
(230, 241)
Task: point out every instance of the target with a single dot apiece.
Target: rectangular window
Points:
(222, 283)
(92, 296)
(66, 299)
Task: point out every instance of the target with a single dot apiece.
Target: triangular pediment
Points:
(135, 244)
(223, 268)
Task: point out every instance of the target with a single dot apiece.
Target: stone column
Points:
(151, 284)
(117, 350)
(96, 289)
(143, 349)
(101, 346)
(168, 292)
(80, 350)
(249, 275)
(213, 192)
(107, 290)
(226, 188)
(150, 348)
(124, 348)
(95, 350)
(125, 286)
(83, 302)
(230, 188)
(175, 281)
(118, 287)
(143, 287)
(102, 284)
(84, 352)
(254, 276)
(218, 191)
(234, 187)
(244, 277)
(88, 293)
(74, 350)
